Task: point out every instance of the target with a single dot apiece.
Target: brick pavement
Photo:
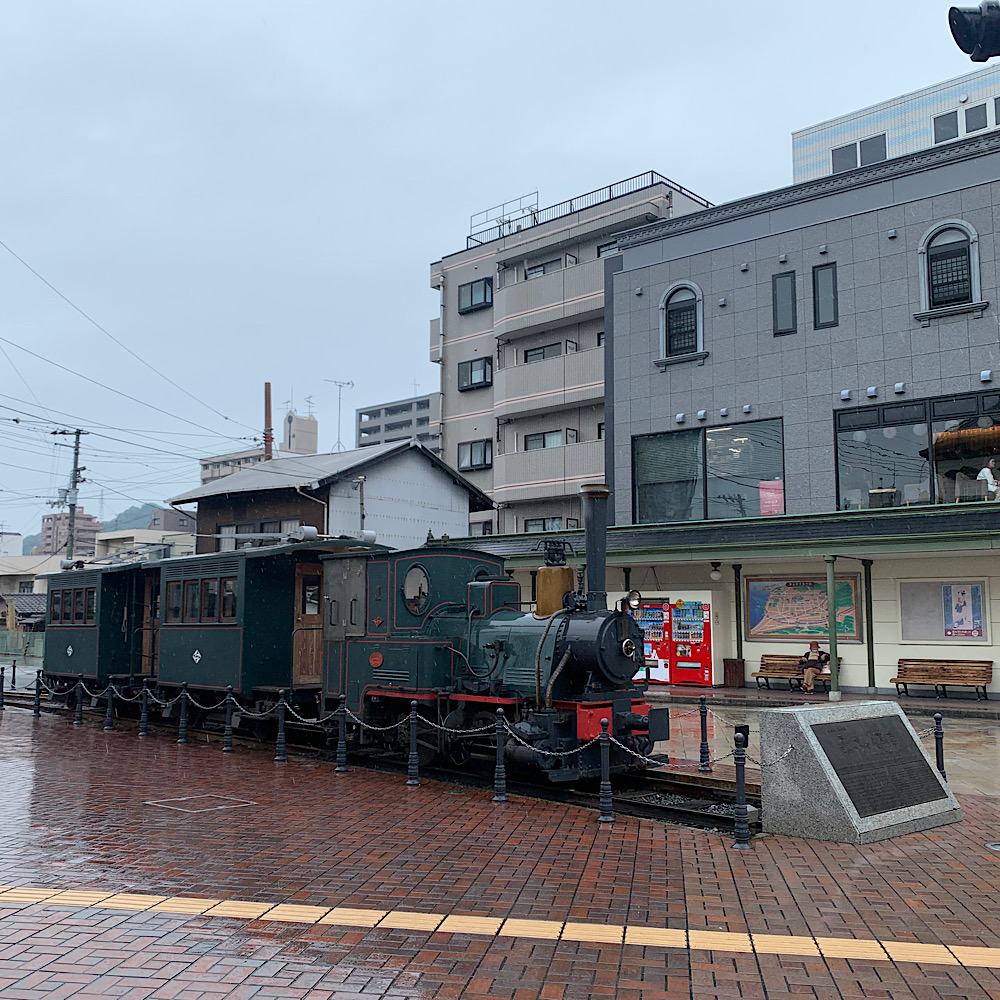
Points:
(74, 816)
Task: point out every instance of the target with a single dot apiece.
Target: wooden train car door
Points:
(150, 624)
(307, 646)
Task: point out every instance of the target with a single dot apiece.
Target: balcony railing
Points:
(547, 472)
(569, 293)
(567, 380)
(628, 186)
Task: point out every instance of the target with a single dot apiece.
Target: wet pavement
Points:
(359, 884)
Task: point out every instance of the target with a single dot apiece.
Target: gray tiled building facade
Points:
(827, 346)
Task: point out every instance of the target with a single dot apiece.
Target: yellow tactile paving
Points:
(719, 941)
(910, 951)
(986, 958)
(600, 933)
(185, 904)
(130, 901)
(73, 898)
(406, 921)
(238, 908)
(663, 937)
(295, 914)
(784, 944)
(851, 948)
(345, 916)
(455, 924)
(656, 937)
(547, 930)
(26, 895)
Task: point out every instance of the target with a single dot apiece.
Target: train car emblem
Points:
(375, 660)
(377, 622)
(69, 650)
(196, 656)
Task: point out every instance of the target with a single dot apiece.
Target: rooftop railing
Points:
(649, 179)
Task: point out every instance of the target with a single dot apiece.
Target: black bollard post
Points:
(500, 773)
(342, 735)
(78, 718)
(741, 825)
(606, 815)
(13, 675)
(182, 722)
(705, 756)
(279, 746)
(2, 670)
(939, 744)
(413, 763)
(109, 715)
(37, 711)
(144, 710)
(227, 736)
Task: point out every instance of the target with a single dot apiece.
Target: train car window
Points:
(67, 603)
(191, 595)
(90, 606)
(229, 599)
(209, 600)
(310, 594)
(173, 602)
(77, 606)
(416, 590)
(55, 606)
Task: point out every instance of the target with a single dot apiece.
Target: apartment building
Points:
(417, 417)
(300, 436)
(520, 342)
(55, 533)
(942, 113)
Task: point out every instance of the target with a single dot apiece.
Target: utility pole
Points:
(341, 386)
(72, 493)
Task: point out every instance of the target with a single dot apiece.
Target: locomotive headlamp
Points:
(633, 599)
(976, 30)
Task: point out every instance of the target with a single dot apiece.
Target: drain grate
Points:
(200, 803)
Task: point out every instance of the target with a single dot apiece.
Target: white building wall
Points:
(403, 500)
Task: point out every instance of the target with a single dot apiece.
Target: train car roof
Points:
(438, 549)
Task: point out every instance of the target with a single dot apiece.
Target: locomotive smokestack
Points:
(594, 500)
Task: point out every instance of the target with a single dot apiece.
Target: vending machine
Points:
(677, 639)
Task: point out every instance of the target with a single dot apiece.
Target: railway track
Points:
(685, 798)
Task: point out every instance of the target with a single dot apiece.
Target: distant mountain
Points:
(133, 517)
(29, 542)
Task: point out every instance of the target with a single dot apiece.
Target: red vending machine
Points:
(677, 641)
(691, 642)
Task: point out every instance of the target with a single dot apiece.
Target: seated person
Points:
(813, 662)
(986, 475)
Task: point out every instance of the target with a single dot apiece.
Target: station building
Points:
(805, 376)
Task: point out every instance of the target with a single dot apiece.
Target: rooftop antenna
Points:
(309, 405)
(341, 386)
(416, 387)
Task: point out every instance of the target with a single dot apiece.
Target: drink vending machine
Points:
(677, 640)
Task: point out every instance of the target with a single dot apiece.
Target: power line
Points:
(124, 347)
(109, 388)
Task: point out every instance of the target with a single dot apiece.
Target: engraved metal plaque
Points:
(879, 764)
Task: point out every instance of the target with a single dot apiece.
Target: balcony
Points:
(547, 472)
(435, 344)
(553, 384)
(570, 294)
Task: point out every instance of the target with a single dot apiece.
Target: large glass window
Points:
(668, 472)
(745, 470)
(547, 439)
(872, 149)
(949, 269)
(533, 524)
(681, 323)
(209, 600)
(783, 302)
(537, 270)
(946, 127)
(942, 450)
(844, 158)
(90, 606)
(533, 354)
(173, 602)
(475, 454)
(191, 603)
(229, 598)
(975, 118)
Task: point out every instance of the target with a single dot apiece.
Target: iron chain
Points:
(770, 763)
(550, 753)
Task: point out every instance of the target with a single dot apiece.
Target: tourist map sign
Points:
(795, 608)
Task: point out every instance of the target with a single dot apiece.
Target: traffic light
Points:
(977, 29)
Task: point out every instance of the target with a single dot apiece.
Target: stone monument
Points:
(857, 773)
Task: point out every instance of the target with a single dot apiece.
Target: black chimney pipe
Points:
(594, 500)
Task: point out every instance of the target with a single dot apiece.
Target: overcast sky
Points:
(250, 191)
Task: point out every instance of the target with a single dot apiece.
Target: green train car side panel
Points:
(72, 649)
(385, 664)
(201, 655)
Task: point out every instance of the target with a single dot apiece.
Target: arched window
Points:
(681, 321)
(950, 267)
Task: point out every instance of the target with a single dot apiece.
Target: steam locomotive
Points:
(440, 625)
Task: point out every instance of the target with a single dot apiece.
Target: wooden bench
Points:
(786, 667)
(942, 674)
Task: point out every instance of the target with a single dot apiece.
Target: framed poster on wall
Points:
(790, 609)
(943, 611)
